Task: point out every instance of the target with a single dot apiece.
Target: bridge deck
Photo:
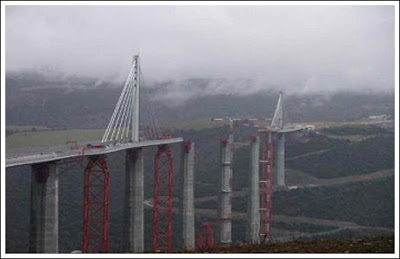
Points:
(289, 130)
(285, 130)
(59, 155)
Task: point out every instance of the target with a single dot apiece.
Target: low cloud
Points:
(244, 49)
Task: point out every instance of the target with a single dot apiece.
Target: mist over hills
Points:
(59, 101)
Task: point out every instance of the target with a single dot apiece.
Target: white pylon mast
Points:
(135, 114)
(277, 120)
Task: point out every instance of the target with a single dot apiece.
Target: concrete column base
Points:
(225, 204)
(253, 212)
(133, 227)
(280, 160)
(187, 196)
(43, 236)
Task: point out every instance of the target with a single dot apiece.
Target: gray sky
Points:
(300, 48)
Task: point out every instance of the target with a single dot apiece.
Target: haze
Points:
(300, 48)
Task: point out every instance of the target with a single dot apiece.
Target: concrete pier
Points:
(43, 236)
(280, 159)
(253, 211)
(225, 204)
(187, 195)
(133, 227)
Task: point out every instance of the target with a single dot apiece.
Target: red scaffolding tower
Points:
(162, 209)
(206, 236)
(95, 207)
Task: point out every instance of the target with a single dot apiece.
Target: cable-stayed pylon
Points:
(132, 119)
(124, 123)
(124, 126)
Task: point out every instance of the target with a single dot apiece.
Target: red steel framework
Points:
(95, 207)
(162, 209)
(206, 236)
(266, 186)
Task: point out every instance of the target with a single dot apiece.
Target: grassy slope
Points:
(25, 128)
(50, 138)
(366, 203)
(348, 159)
(24, 136)
(369, 203)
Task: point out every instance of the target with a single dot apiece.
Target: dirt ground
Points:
(348, 245)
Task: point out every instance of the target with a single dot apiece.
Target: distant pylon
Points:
(277, 121)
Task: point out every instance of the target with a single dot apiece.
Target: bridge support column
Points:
(225, 204)
(187, 195)
(43, 236)
(280, 159)
(253, 228)
(133, 227)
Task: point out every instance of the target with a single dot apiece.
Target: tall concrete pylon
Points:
(225, 204)
(280, 159)
(43, 234)
(253, 211)
(133, 227)
(187, 195)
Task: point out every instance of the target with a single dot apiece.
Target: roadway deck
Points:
(284, 130)
(59, 155)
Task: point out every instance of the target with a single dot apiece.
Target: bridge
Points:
(122, 134)
(67, 154)
(127, 133)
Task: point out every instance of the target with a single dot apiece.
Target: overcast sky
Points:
(300, 48)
